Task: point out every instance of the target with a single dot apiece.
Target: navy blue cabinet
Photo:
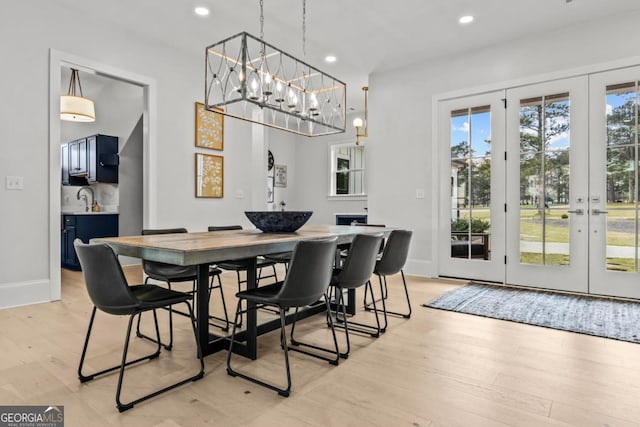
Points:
(91, 159)
(84, 227)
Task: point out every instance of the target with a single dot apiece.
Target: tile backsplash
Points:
(106, 196)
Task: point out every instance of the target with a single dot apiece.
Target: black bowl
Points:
(278, 221)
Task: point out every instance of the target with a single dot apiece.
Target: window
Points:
(347, 170)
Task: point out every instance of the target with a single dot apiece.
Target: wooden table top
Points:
(209, 247)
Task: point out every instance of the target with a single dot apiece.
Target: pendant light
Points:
(250, 79)
(74, 108)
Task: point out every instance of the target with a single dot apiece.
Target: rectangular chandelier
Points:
(251, 80)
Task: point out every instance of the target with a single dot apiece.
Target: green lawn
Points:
(617, 264)
(557, 231)
(531, 228)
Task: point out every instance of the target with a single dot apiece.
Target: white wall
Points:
(312, 180)
(400, 144)
(283, 146)
(24, 134)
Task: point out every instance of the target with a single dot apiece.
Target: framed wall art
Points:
(209, 128)
(209, 176)
(280, 175)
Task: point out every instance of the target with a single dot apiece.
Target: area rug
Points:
(602, 317)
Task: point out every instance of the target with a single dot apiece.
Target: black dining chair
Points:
(307, 281)
(241, 265)
(110, 293)
(392, 262)
(354, 273)
(170, 273)
(344, 248)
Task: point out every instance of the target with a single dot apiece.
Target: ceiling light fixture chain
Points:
(304, 29)
(75, 79)
(261, 20)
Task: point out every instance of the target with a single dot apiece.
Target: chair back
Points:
(161, 270)
(359, 265)
(309, 272)
(395, 253)
(224, 227)
(105, 281)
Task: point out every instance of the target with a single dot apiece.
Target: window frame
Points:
(333, 157)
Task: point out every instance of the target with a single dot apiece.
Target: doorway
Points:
(58, 61)
(568, 186)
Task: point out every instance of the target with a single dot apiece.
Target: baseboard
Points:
(24, 293)
(420, 268)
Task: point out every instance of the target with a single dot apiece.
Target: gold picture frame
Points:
(209, 128)
(209, 176)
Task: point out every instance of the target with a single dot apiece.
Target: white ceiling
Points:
(366, 35)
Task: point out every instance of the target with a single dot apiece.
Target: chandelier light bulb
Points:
(357, 122)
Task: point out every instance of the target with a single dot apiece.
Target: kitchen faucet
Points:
(86, 202)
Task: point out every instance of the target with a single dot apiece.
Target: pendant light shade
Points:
(75, 108)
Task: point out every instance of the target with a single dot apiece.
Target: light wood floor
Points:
(436, 369)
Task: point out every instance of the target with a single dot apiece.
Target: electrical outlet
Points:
(14, 182)
(419, 193)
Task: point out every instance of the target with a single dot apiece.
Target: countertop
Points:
(88, 213)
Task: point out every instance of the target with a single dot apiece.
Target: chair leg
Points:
(224, 304)
(406, 315)
(363, 328)
(294, 342)
(384, 292)
(139, 334)
(283, 340)
(84, 378)
(341, 304)
(125, 406)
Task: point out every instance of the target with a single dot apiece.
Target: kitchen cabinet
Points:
(91, 159)
(64, 161)
(78, 157)
(84, 227)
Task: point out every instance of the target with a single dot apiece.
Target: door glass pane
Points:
(471, 183)
(621, 241)
(622, 177)
(544, 180)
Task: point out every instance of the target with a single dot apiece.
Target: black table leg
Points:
(252, 313)
(202, 308)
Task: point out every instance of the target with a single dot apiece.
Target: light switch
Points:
(419, 193)
(14, 182)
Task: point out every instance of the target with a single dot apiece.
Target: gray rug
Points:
(601, 317)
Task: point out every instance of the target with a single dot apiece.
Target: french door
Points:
(555, 175)
(471, 214)
(613, 180)
(547, 185)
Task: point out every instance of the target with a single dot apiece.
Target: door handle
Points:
(577, 211)
(598, 212)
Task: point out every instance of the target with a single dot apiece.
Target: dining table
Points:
(203, 249)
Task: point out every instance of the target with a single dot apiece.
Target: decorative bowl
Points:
(278, 221)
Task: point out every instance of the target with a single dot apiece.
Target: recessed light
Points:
(465, 19)
(330, 58)
(201, 11)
